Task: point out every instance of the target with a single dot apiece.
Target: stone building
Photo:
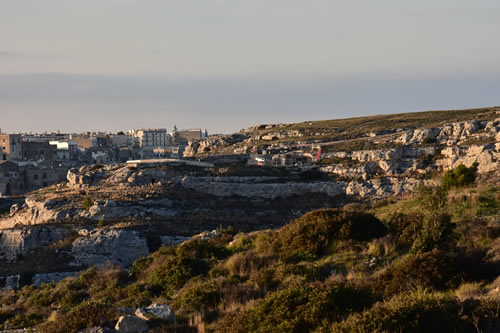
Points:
(122, 140)
(37, 175)
(144, 138)
(38, 151)
(10, 178)
(187, 135)
(66, 150)
(11, 147)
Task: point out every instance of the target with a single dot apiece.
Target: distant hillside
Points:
(331, 131)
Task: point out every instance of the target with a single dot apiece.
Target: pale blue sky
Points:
(227, 64)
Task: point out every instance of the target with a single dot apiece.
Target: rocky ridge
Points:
(136, 201)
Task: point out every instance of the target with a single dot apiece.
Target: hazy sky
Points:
(224, 65)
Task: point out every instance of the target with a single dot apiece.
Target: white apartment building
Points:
(149, 137)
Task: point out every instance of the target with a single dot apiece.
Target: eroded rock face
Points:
(122, 247)
(220, 187)
(111, 209)
(34, 212)
(382, 187)
(486, 156)
(15, 242)
(211, 143)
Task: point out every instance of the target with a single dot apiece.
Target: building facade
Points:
(38, 151)
(10, 178)
(187, 135)
(144, 138)
(11, 147)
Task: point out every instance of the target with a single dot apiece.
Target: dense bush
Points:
(86, 314)
(200, 296)
(434, 269)
(317, 232)
(408, 313)
(459, 177)
(299, 308)
(172, 267)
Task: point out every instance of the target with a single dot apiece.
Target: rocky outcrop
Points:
(122, 247)
(34, 212)
(380, 162)
(10, 282)
(383, 187)
(110, 209)
(451, 133)
(156, 310)
(88, 175)
(210, 144)
(419, 136)
(487, 157)
(19, 242)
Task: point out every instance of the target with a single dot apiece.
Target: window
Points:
(35, 177)
(44, 176)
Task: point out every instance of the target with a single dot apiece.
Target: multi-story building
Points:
(187, 135)
(145, 138)
(10, 178)
(38, 151)
(122, 140)
(11, 147)
(66, 150)
(37, 175)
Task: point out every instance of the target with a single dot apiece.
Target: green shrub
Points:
(460, 177)
(87, 203)
(436, 228)
(434, 269)
(405, 313)
(172, 273)
(172, 267)
(299, 308)
(200, 297)
(140, 265)
(317, 232)
(404, 228)
(86, 314)
(21, 321)
(241, 242)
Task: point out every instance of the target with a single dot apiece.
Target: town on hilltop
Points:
(31, 161)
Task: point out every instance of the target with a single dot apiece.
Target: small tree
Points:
(459, 177)
(87, 202)
(436, 229)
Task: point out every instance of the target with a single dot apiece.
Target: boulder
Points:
(131, 324)
(96, 330)
(156, 310)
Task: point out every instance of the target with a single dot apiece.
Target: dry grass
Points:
(469, 291)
